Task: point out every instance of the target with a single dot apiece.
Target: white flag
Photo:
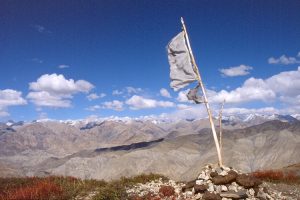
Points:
(181, 68)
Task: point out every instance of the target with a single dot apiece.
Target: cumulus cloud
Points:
(93, 108)
(165, 93)
(127, 91)
(183, 106)
(133, 90)
(182, 96)
(58, 84)
(252, 89)
(63, 66)
(114, 105)
(117, 92)
(44, 98)
(284, 60)
(138, 102)
(284, 87)
(241, 70)
(94, 96)
(8, 98)
(238, 111)
(55, 90)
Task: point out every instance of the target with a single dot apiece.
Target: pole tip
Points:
(181, 19)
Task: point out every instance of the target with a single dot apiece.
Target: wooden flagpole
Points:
(220, 125)
(204, 93)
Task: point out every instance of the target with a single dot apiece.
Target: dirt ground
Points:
(289, 190)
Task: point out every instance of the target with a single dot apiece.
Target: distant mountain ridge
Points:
(114, 147)
(91, 122)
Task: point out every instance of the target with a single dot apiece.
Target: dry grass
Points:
(289, 177)
(33, 188)
(65, 188)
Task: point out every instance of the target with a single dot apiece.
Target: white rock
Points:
(199, 182)
(210, 187)
(251, 192)
(227, 169)
(224, 188)
(233, 188)
(234, 184)
(218, 188)
(223, 173)
(189, 194)
(198, 196)
(202, 176)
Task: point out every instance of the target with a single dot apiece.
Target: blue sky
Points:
(54, 54)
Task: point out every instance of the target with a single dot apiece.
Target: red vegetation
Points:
(33, 188)
(40, 190)
(166, 191)
(277, 175)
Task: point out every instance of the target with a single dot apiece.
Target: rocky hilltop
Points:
(212, 183)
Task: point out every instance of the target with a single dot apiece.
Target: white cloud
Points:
(114, 105)
(165, 93)
(63, 66)
(138, 102)
(241, 70)
(298, 55)
(284, 60)
(244, 111)
(127, 91)
(133, 90)
(252, 89)
(43, 98)
(117, 92)
(55, 91)
(40, 28)
(183, 106)
(57, 84)
(182, 96)
(284, 87)
(8, 98)
(94, 96)
(93, 108)
(37, 60)
(3, 113)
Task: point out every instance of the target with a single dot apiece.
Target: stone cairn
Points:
(213, 183)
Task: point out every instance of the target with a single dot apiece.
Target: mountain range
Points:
(114, 147)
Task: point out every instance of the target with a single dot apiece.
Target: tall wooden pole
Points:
(204, 93)
(220, 125)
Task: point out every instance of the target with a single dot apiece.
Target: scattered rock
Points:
(234, 195)
(213, 174)
(189, 186)
(211, 196)
(200, 188)
(227, 179)
(247, 181)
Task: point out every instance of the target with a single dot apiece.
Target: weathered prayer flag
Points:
(181, 69)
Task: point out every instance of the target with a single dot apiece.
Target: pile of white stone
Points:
(213, 183)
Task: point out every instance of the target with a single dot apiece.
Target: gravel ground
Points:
(289, 190)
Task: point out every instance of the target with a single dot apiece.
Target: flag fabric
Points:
(193, 95)
(181, 68)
